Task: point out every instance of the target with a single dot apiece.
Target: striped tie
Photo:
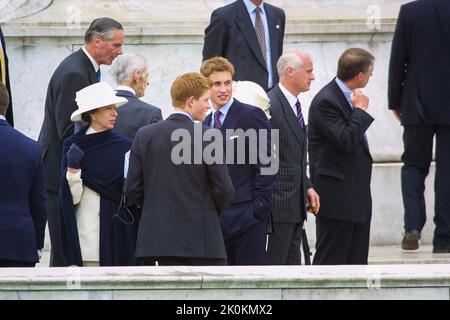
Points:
(260, 34)
(299, 114)
(98, 74)
(217, 123)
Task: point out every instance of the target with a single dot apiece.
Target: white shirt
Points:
(2, 117)
(94, 63)
(290, 98)
(126, 88)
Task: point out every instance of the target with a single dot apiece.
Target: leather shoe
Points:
(411, 240)
(441, 250)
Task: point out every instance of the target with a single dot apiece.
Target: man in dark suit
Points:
(131, 74)
(419, 96)
(294, 191)
(249, 33)
(4, 76)
(22, 195)
(244, 222)
(340, 162)
(181, 200)
(103, 42)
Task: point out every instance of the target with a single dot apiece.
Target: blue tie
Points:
(98, 74)
(217, 123)
(299, 114)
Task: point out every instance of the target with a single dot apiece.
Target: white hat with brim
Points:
(251, 93)
(96, 96)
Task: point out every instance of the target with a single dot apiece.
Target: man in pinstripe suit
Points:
(294, 192)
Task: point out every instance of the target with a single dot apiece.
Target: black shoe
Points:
(411, 240)
(441, 250)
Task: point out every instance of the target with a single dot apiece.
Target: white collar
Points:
(289, 96)
(2, 117)
(90, 130)
(126, 88)
(94, 63)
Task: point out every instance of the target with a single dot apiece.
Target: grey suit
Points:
(289, 198)
(134, 115)
(180, 203)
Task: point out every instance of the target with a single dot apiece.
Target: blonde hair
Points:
(216, 64)
(191, 84)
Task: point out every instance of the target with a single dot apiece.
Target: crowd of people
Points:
(120, 186)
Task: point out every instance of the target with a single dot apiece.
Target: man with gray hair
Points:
(294, 192)
(103, 43)
(130, 71)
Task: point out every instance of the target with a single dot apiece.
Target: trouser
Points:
(284, 244)
(341, 242)
(417, 156)
(54, 228)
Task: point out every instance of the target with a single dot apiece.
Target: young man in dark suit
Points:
(294, 191)
(249, 33)
(419, 96)
(340, 162)
(244, 222)
(23, 212)
(103, 42)
(181, 201)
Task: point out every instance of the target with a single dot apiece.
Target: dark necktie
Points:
(98, 74)
(217, 123)
(260, 34)
(299, 114)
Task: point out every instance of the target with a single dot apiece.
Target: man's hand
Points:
(312, 201)
(74, 156)
(397, 113)
(359, 100)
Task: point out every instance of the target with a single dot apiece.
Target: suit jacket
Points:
(4, 75)
(181, 203)
(73, 74)
(419, 69)
(339, 157)
(134, 115)
(232, 35)
(289, 198)
(252, 199)
(23, 212)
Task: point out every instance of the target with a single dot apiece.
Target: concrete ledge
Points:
(229, 283)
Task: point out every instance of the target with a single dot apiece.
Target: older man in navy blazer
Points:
(249, 33)
(22, 195)
(244, 222)
(419, 96)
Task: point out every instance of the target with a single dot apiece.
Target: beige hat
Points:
(251, 93)
(95, 96)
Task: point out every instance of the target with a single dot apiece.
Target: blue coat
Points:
(23, 212)
(252, 199)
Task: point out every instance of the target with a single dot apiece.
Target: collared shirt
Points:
(126, 88)
(289, 97)
(178, 111)
(251, 11)
(224, 110)
(2, 117)
(94, 63)
(345, 90)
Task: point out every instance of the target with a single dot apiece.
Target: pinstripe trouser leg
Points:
(284, 244)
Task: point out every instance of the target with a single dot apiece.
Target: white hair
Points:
(291, 59)
(125, 65)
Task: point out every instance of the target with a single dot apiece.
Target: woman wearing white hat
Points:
(91, 190)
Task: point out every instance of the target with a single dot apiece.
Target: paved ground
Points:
(377, 255)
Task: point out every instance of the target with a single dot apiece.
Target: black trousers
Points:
(16, 264)
(54, 228)
(181, 261)
(341, 242)
(284, 244)
(417, 156)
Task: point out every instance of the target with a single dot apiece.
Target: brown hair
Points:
(188, 85)
(352, 62)
(216, 64)
(4, 99)
(86, 116)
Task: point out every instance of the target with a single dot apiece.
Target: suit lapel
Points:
(290, 117)
(4, 123)
(233, 115)
(85, 60)
(274, 33)
(245, 25)
(346, 107)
